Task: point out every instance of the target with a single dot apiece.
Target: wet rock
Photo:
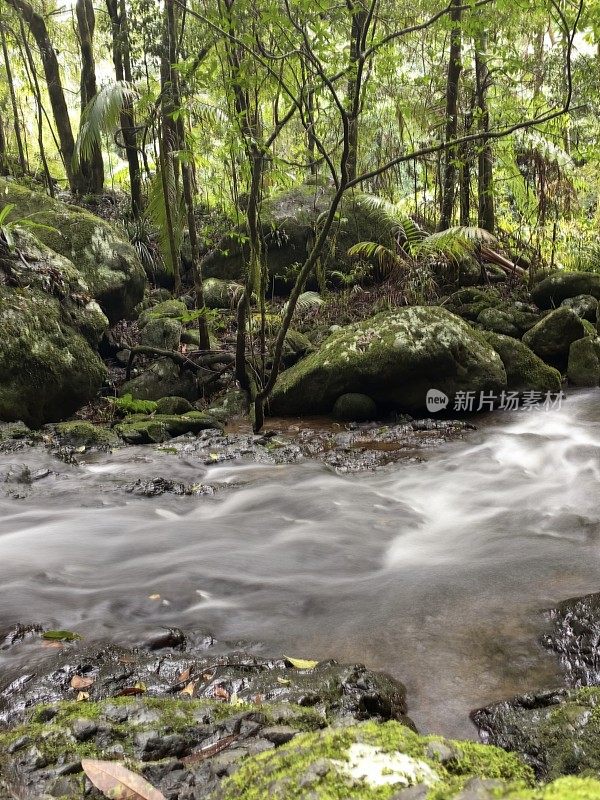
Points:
(584, 305)
(553, 335)
(162, 334)
(163, 378)
(354, 408)
(395, 358)
(583, 368)
(279, 734)
(575, 637)
(524, 370)
(559, 286)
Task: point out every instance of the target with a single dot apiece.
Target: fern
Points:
(101, 115)
(307, 301)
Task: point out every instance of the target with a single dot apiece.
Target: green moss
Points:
(140, 429)
(80, 433)
(131, 405)
(168, 309)
(524, 370)
(561, 789)
(583, 368)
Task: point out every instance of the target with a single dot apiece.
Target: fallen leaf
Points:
(129, 691)
(211, 750)
(221, 693)
(258, 699)
(189, 689)
(53, 645)
(301, 663)
(117, 782)
(81, 696)
(79, 682)
(283, 681)
(153, 597)
(61, 636)
(208, 676)
(184, 676)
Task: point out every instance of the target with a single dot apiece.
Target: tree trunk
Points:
(359, 19)
(37, 25)
(92, 169)
(117, 11)
(3, 154)
(35, 86)
(454, 70)
(486, 216)
(13, 100)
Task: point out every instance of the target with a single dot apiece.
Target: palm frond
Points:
(157, 213)
(454, 243)
(101, 115)
(307, 301)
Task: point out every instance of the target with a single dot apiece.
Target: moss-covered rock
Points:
(162, 334)
(161, 427)
(371, 762)
(557, 732)
(173, 406)
(583, 368)
(163, 378)
(47, 368)
(107, 262)
(558, 286)
(80, 433)
(524, 370)
(166, 309)
(471, 301)
(394, 358)
(221, 294)
(553, 335)
(584, 305)
(289, 220)
(354, 408)
(498, 321)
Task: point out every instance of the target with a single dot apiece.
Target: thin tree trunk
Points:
(454, 69)
(35, 86)
(359, 18)
(93, 168)
(3, 153)
(466, 157)
(37, 25)
(117, 11)
(13, 100)
(486, 216)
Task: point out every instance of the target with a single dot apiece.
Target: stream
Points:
(437, 571)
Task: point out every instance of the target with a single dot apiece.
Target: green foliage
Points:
(8, 226)
(157, 213)
(101, 115)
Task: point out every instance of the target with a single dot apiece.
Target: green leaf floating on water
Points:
(61, 636)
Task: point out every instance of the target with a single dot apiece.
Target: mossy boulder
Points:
(47, 368)
(372, 762)
(471, 301)
(583, 368)
(394, 358)
(80, 433)
(173, 406)
(107, 262)
(524, 370)
(553, 335)
(166, 309)
(556, 732)
(354, 408)
(141, 429)
(550, 292)
(221, 294)
(163, 378)
(289, 220)
(162, 334)
(584, 305)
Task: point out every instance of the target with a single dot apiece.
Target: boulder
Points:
(163, 334)
(173, 405)
(47, 367)
(524, 370)
(574, 637)
(553, 335)
(583, 368)
(139, 429)
(584, 305)
(166, 309)
(221, 294)
(394, 358)
(288, 226)
(106, 261)
(551, 291)
(163, 378)
(354, 408)
(508, 320)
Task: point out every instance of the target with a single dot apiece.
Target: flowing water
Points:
(437, 572)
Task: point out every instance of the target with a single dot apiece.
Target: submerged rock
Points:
(107, 262)
(559, 286)
(394, 358)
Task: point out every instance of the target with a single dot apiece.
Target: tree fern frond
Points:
(101, 115)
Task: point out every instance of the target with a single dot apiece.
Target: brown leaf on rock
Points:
(80, 682)
(221, 693)
(117, 782)
(189, 689)
(130, 691)
(184, 676)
